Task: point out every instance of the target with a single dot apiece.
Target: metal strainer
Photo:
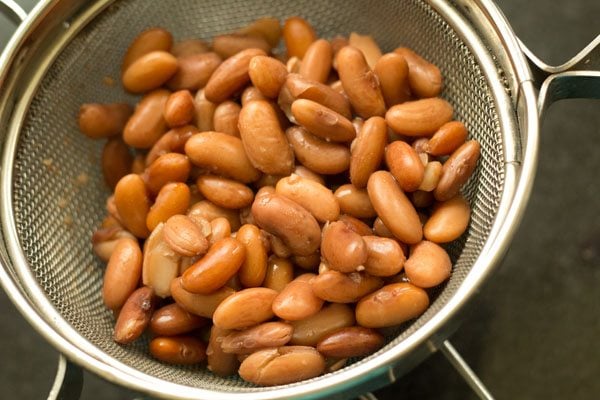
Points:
(53, 194)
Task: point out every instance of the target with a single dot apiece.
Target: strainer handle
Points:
(68, 381)
(577, 78)
(13, 9)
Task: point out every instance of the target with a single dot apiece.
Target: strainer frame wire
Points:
(32, 303)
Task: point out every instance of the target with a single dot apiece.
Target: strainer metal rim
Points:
(519, 177)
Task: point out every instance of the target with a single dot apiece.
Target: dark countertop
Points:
(531, 334)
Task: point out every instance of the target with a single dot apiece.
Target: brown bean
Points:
(392, 71)
(182, 350)
(184, 236)
(391, 305)
(103, 120)
(205, 111)
(385, 256)
(278, 247)
(203, 305)
(279, 273)
(170, 167)
(253, 269)
(289, 221)
(457, 170)
(179, 109)
(225, 118)
(448, 221)
(268, 28)
(448, 138)
(161, 263)
(267, 75)
(149, 71)
(306, 173)
(342, 248)
(354, 201)
(222, 154)
(171, 142)
(367, 151)
(356, 225)
(230, 76)
(428, 265)
(188, 47)
(194, 71)
(147, 123)
(310, 331)
(209, 211)
(173, 199)
(360, 83)
(380, 229)
(322, 121)
(317, 154)
(104, 240)
(297, 300)
(336, 287)
(133, 204)
(299, 87)
(225, 192)
(313, 196)
(250, 94)
(219, 362)
(431, 176)
(394, 208)
(422, 199)
(310, 263)
(212, 271)
(264, 141)
(135, 316)
(406, 166)
(298, 35)
(138, 165)
(420, 117)
(316, 64)
(153, 39)
(116, 161)
(220, 228)
(282, 365)
(269, 334)
(232, 43)
(354, 341)
(245, 308)
(367, 45)
(122, 273)
(424, 78)
(172, 320)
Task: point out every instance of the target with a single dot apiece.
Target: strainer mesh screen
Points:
(59, 193)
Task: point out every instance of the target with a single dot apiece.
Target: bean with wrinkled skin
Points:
(205, 110)
(457, 170)
(448, 221)
(313, 196)
(448, 138)
(179, 109)
(170, 167)
(392, 71)
(253, 269)
(209, 211)
(173, 199)
(225, 118)
(310, 331)
(122, 273)
(268, 28)
(133, 204)
(154, 39)
(181, 350)
(212, 271)
(149, 71)
(116, 161)
(267, 75)
(279, 273)
(172, 320)
(219, 362)
(184, 236)
(264, 141)
(194, 71)
(203, 305)
(224, 192)
(269, 334)
(316, 63)
(354, 341)
(161, 263)
(356, 225)
(428, 265)
(367, 151)
(188, 47)
(431, 176)
(394, 208)
(135, 316)
(222, 154)
(406, 166)
(317, 154)
(97, 120)
(220, 228)
(171, 142)
(289, 221)
(360, 83)
(342, 248)
(385, 256)
(298, 35)
(299, 87)
(354, 201)
(424, 78)
(147, 123)
(230, 44)
(391, 305)
(282, 365)
(420, 117)
(245, 308)
(336, 287)
(230, 76)
(297, 300)
(322, 121)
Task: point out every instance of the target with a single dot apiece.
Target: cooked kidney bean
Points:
(354, 341)
(297, 301)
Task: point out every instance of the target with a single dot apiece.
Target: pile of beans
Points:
(272, 212)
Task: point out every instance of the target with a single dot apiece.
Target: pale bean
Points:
(448, 138)
(254, 268)
(298, 35)
(424, 78)
(385, 256)
(354, 201)
(170, 167)
(323, 121)
(310, 331)
(299, 87)
(104, 240)
(209, 211)
(172, 320)
(457, 170)
(219, 362)
(122, 273)
(392, 71)
(245, 308)
(279, 273)
(297, 300)
(317, 154)
(225, 118)
(147, 123)
(179, 109)
(391, 305)
(267, 75)
(181, 350)
(448, 221)
(97, 120)
(406, 166)
(367, 151)
(205, 111)
(420, 117)
(431, 176)
(428, 265)
(336, 287)
(268, 28)
(161, 263)
(132, 204)
(224, 192)
(153, 39)
(278, 247)
(116, 161)
(316, 63)
(342, 248)
(135, 316)
(313, 196)
(173, 199)
(230, 44)
(188, 47)
(367, 45)
(269, 334)
(394, 208)
(149, 72)
(282, 365)
(203, 305)
(354, 341)
(184, 236)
